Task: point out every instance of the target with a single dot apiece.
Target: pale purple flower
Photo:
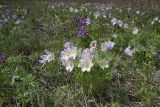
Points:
(107, 46)
(120, 23)
(18, 21)
(85, 64)
(114, 21)
(68, 64)
(47, 57)
(128, 51)
(68, 45)
(88, 21)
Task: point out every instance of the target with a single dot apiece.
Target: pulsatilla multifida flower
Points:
(104, 64)
(107, 46)
(128, 51)
(68, 64)
(65, 55)
(73, 52)
(85, 64)
(86, 60)
(47, 57)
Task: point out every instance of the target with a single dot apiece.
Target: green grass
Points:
(129, 81)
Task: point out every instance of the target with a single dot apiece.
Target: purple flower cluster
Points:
(2, 58)
(82, 23)
(8, 15)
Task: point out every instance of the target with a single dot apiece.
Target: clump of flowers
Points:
(2, 58)
(47, 57)
(106, 46)
(68, 56)
(128, 51)
(87, 56)
(82, 23)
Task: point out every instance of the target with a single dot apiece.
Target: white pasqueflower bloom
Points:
(76, 10)
(97, 14)
(71, 9)
(107, 46)
(129, 9)
(153, 22)
(104, 64)
(68, 45)
(128, 51)
(156, 19)
(69, 65)
(65, 55)
(125, 26)
(138, 12)
(120, 23)
(47, 57)
(114, 21)
(114, 35)
(135, 30)
(73, 52)
(85, 64)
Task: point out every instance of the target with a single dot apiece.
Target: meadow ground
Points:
(79, 55)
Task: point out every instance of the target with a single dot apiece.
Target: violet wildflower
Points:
(82, 23)
(2, 58)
